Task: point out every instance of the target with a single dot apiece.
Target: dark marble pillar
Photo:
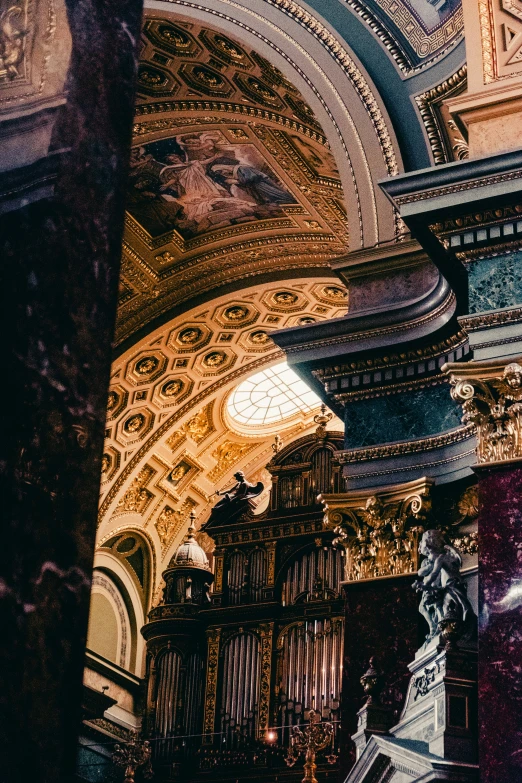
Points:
(60, 261)
(500, 631)
(382, 620)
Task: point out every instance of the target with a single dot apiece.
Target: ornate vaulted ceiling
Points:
(169, 440)
(231, 174)
(240, 195)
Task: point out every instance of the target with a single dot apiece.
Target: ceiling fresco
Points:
(231, 175)
(416, 32)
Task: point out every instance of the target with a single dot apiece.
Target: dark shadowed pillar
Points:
(61, 219)
(500, 634)
(491, 395)
(382, 620)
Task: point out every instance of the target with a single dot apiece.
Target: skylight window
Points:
(270, 396)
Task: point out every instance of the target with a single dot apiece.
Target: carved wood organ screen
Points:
(272, 631)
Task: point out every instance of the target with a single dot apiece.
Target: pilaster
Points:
(491, 395)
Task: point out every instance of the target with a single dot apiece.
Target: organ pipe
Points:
(321, 479)
(240, 689)
(299, 582)
(257, 574)
(310, 671)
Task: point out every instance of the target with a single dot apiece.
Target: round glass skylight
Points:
(270, 396)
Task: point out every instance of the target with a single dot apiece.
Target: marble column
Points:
(500, 632)
(62, 209)
(491, 394)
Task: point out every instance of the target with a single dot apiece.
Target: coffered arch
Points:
(333, 82)
(169, 441)
(258, 145)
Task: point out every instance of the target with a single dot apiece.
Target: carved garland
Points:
(213, 639)
(266, 633)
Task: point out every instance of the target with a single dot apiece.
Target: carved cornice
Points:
(420, 445)
(429, 107)
(355, 336)
(457, 187)
(474, 323)
(380, 533)
(491, 397)
(393, 388)
(392, 359)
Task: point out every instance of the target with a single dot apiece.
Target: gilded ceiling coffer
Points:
(380, 533)
(491, 397)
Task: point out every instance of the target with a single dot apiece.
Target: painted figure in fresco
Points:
(444, 594)
(248, 182)
(199, 182)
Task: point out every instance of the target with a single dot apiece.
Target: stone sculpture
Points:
(444, 603)
(235, 501)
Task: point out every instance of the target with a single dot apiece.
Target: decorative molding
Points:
(270, 547)
(430, 105)
(457, 187)
(491, 397)
(266, 632)
(474, 323)
(421, 466)
(213, 640)
(421, 445)
(394, 388)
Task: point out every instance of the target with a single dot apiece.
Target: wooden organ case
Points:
(231, 671)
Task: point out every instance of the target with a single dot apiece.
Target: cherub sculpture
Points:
(444, 604)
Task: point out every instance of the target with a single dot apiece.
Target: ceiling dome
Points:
(189, 554)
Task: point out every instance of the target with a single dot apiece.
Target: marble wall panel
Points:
(405, 416)
(500, 626)
(382, 619)
(60, 264)
(495, 282)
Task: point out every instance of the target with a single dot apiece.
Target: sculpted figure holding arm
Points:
(444, 594)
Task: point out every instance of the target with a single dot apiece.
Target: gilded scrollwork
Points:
(213, 640)
(381, 535)
(493, 404)
(266, 632)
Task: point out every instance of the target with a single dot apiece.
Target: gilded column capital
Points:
(379, 532)
(491, 397)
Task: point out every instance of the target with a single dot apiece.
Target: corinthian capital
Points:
(491, 397)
